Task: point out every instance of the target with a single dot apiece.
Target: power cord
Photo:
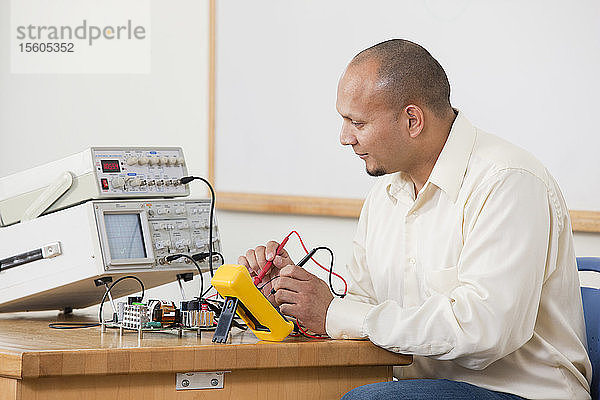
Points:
(191, 258)
(201, 257)
(108, 289)
(72, 325)
(187, 179)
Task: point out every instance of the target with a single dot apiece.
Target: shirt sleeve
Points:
(345, 317)
(491, 311)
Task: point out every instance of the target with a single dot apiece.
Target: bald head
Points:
(408, 74)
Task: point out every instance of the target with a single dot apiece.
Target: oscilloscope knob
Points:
(153, 160)
(164, 161)
(143, 160)
(180, 161)
(135, 182)
(172, 160)
(132, 160)
(118, 182)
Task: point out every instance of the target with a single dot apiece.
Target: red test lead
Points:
(258, 279)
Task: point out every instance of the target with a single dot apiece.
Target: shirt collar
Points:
(450, 167)
(399, 182)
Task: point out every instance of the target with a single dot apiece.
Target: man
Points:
(463, 254)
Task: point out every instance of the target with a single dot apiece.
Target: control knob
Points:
(164, 160)
(143, 160)
(118, 182)
(172, 160)
(180, 244)
(134, 182)
(184, 225)
(132, 160)
(153, 160)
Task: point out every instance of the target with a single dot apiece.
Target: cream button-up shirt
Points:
(475, 276)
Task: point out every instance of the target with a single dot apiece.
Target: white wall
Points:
(512, 64)
(44, 117)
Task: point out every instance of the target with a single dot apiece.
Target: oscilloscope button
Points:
(135, 182)
(118, 182)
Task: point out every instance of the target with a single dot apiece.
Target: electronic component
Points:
(95, 173)
(234, 283)
(163, 311)
(135, 316)
(195, 314)
(98, 239)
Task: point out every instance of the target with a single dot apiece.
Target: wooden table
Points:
(40, 363)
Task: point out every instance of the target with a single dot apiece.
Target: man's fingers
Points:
(244, 261)
(291, 310)
(284, 296)
(296, 272)
(271, 251)
(252, 263)
(260, 256)
(287, 283)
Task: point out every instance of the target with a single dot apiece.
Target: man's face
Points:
(376, 131)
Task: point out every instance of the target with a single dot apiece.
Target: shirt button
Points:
(412, 261)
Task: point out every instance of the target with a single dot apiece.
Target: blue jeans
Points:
(425, 389)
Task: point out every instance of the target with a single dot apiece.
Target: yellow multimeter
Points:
(234, 283)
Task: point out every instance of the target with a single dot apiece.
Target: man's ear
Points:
(415, 120)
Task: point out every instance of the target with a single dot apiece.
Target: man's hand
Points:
(255, 260)
(302, 295)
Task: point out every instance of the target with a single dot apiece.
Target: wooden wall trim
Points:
(266, 203)
(582, 221)
(585, 221)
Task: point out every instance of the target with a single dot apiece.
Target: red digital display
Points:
(110, 166)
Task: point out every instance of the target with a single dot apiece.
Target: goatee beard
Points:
(376, 172)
